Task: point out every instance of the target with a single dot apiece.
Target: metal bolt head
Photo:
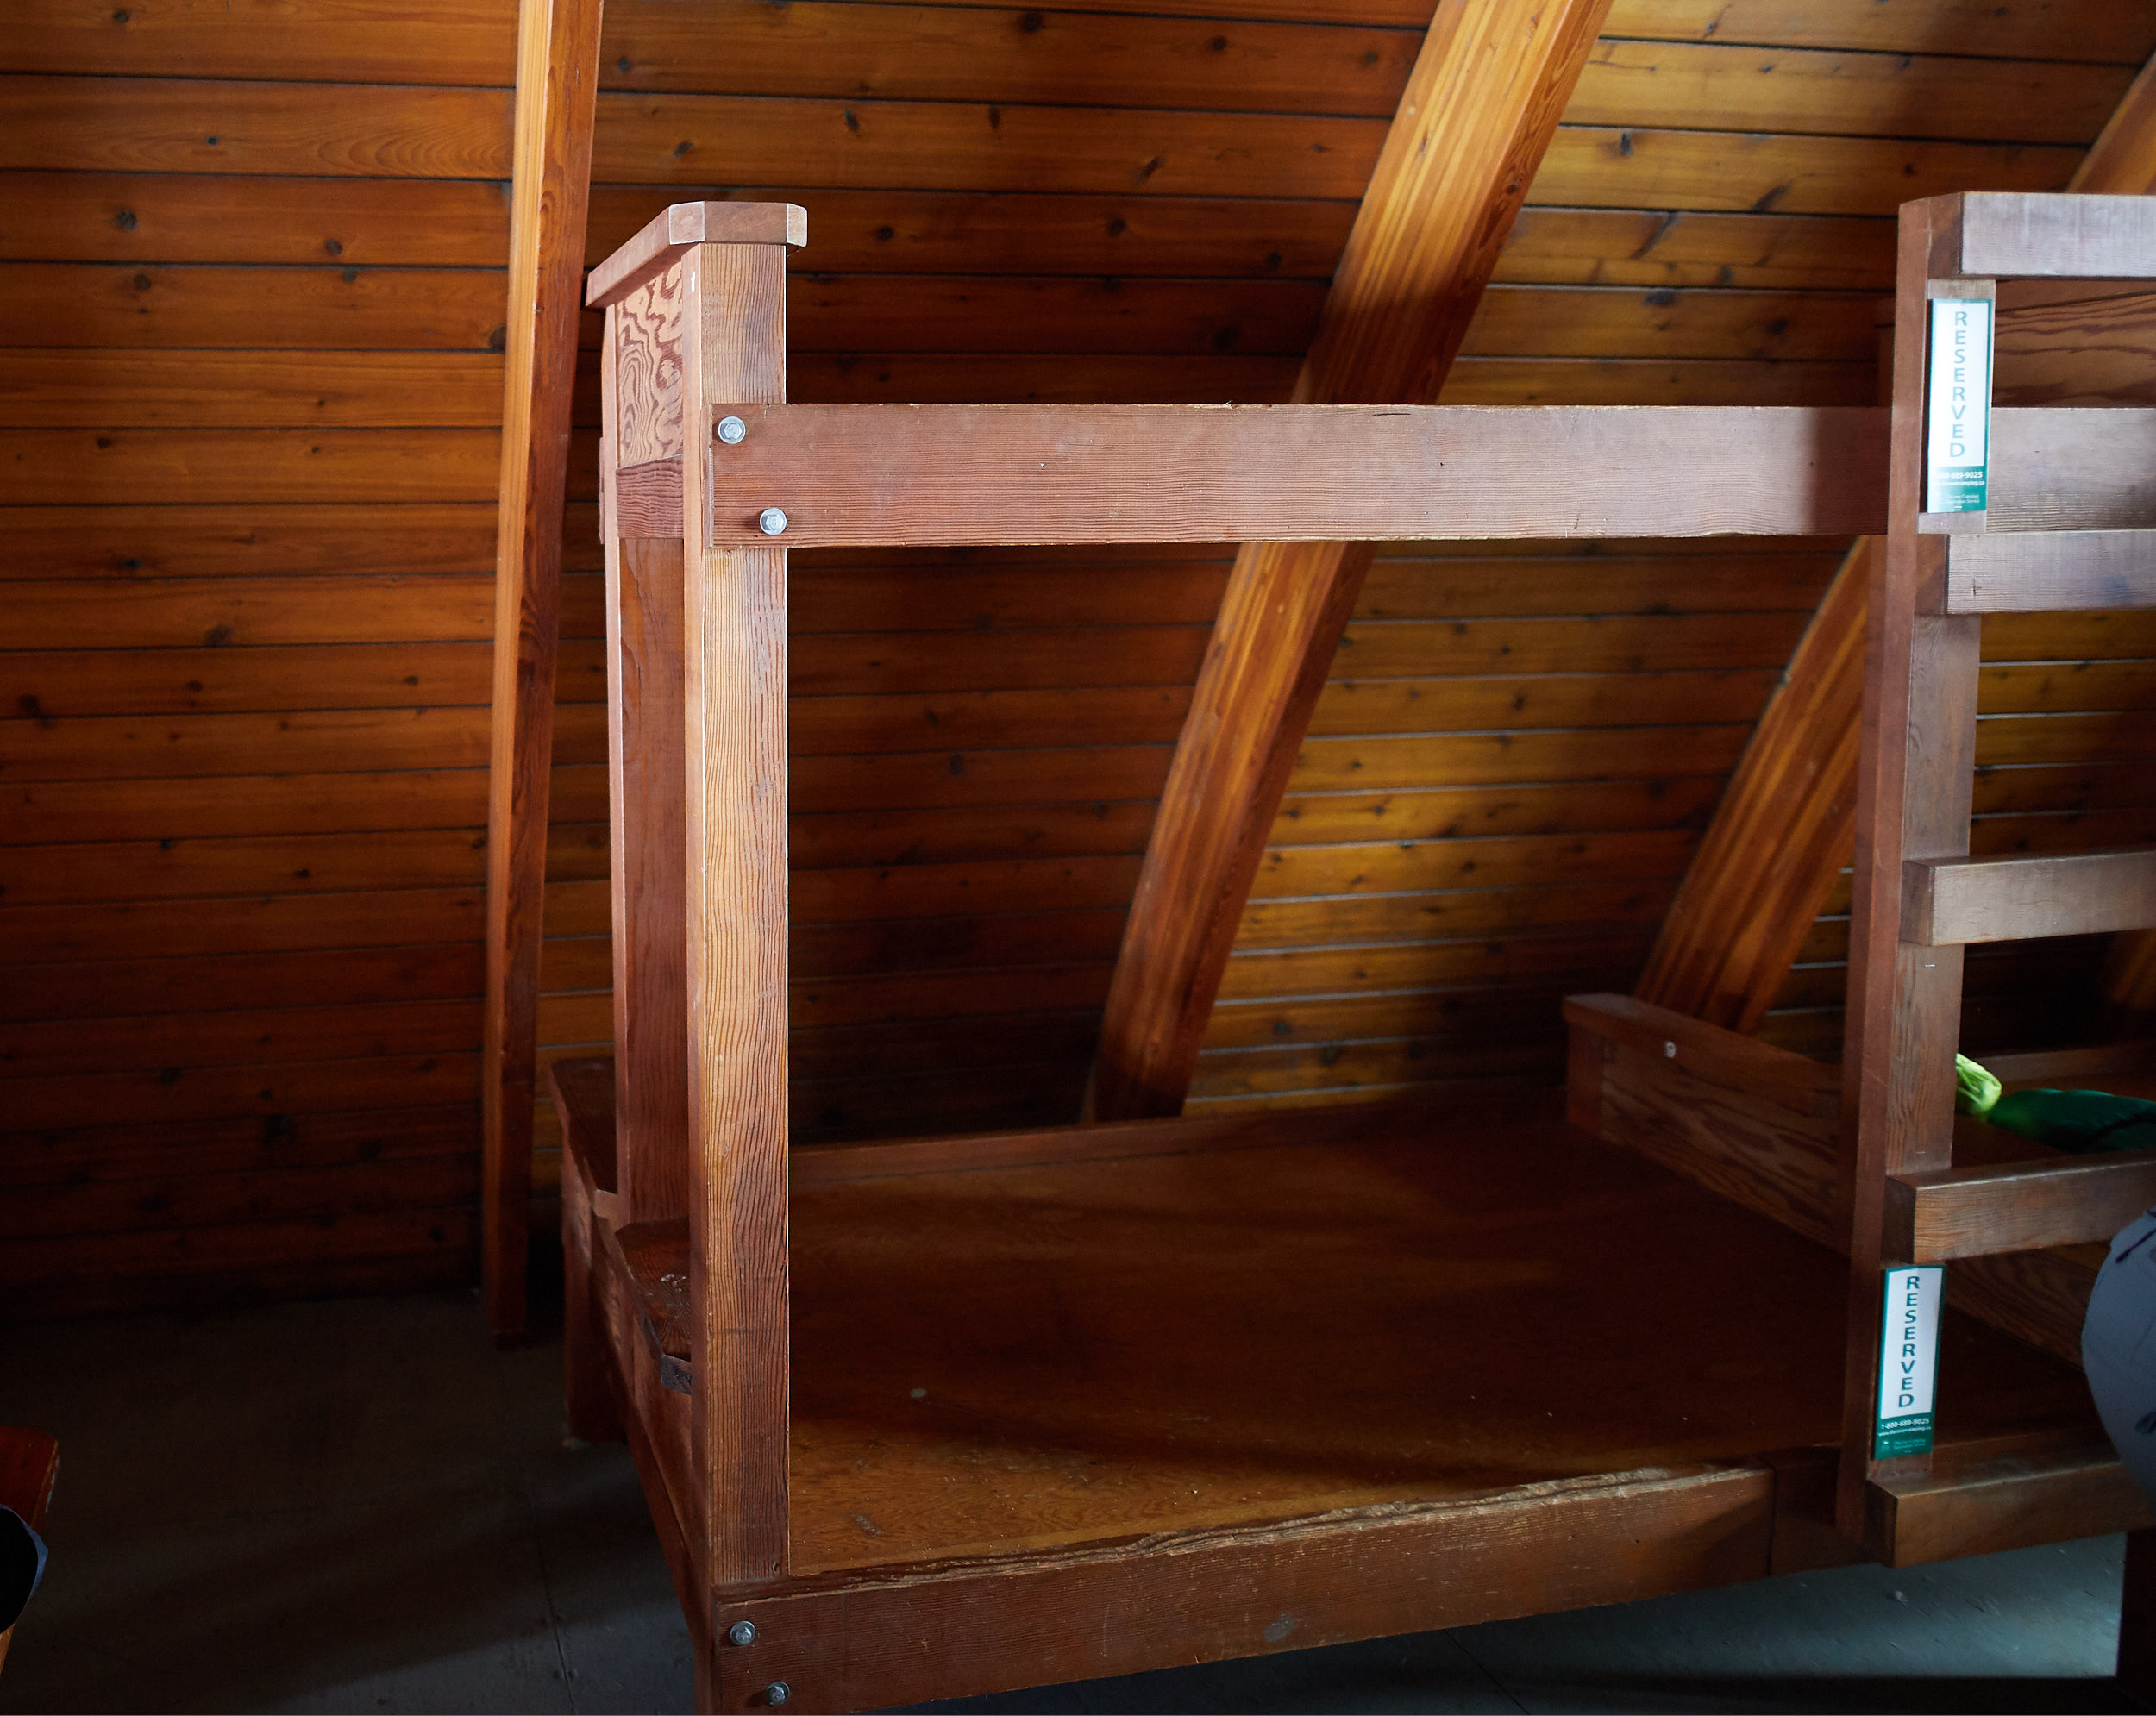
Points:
(777, 1693)
(1668, 1050)
(771, 522)
(731, 430)
(742, 1632)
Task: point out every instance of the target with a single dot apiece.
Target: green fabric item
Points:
(1976, 1089)
(2083, 1121)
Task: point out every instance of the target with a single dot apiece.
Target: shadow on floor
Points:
(361, 1504)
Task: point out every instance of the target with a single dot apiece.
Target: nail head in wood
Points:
(731, 430)
(777, 1693)
(742, 1632)
(771, 522)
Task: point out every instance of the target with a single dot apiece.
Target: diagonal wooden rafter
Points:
(1491, 81)
(557, 81)
(1787, 824)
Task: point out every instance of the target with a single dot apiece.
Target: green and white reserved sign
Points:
(1908, 1361)
(1959, 414)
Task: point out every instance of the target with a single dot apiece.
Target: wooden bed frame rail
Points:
(679, 1189)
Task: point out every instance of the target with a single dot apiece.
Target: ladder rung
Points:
(1972, 1505)
(2026, 572)
(2042, 235)
(2015, 1206)
(1946, 901)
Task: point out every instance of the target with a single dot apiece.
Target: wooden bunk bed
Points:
(949, 1416)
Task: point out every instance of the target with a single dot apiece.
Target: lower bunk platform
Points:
(1088, 1401)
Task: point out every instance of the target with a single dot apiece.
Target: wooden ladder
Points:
(2068, 497)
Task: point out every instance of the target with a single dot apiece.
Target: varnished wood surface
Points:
(1470, 131)
(1358, 1355)
(1979, 1500)
(734, 770)
(1964, 900)
(1781, 833)
(1205, 1593)
(2042, 571)
(661, 242)
(1981, 1211)
(1760, 1125)
(2089, 236)
(180, 857)
(557, 52)
(957, 475)
(1914, 800)
(1094, 1342)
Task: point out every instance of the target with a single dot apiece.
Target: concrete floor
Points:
(361, 1506)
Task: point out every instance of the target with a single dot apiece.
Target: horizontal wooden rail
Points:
(961, 475)
(2015, 1206)
(2066, 467)
(1761, 1126)
(1951, 901)
(2049, 571)
(1979, 1499)
(2034, 234)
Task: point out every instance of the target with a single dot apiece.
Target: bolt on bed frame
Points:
(679, 1187)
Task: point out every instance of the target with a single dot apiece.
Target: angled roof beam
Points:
(1489, 86)
(1787, 825)
(557, 79)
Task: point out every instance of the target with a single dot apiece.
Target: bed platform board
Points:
(1289, 1379)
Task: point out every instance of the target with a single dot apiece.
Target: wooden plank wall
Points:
(250, 281)
(250, 264)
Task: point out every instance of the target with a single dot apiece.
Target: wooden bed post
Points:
(1913, 798)
(734, 634)
(697, 749)
(557, 78)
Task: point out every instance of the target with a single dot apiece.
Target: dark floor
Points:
(362, 1506)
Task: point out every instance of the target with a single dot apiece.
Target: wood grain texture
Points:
(1478, 112)
(1215, 1593)
(1983, 1502)
(2091, 235)
(2042, 572)
(583, 1093)
(1781, 833)
(658, 248)
(734, 690)
(1915, 782)
(1977, 1211)
(647, 876)
(647, 373)
(1760, 1125)
(859, 475)
(1949, 901)
(557, 54)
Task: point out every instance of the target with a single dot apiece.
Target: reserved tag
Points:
(1909, 1360)
(1959, 417)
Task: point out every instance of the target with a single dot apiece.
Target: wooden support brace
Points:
(1481, 106)
(557, 77)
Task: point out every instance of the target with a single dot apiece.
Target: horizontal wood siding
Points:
(249, 413)
(251, 261)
